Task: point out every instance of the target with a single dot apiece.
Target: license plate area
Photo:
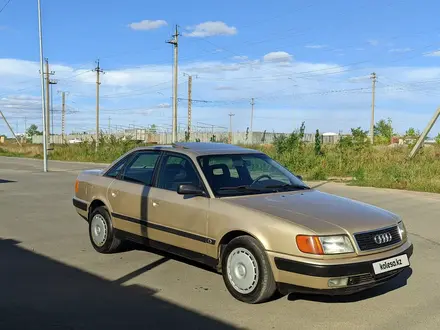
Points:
(390, 264)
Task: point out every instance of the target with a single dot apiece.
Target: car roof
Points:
(201, 148)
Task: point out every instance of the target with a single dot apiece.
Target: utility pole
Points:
(422, 137)
(52, 82)
(25, 125)
(175, 43)
(373, 78)
(48, 82)
(10, 128)
(98, 71)
(109, 121)
(252, 120)
(230, 127)
(43, 110)
(63, 115)
(189, 102)
(189, 105)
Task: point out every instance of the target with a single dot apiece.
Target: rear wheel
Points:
(246, 271)
(101, 231)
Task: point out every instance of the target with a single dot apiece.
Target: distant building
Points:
(330, 134)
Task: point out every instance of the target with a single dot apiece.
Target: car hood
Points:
(95, 171)
(320, 212)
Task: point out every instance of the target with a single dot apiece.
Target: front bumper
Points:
(294, 276)
(81, 207)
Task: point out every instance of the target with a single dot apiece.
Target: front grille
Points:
(366, 241)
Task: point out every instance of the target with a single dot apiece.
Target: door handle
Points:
(155, 204)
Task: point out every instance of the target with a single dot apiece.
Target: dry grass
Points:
(26, 150)
(381, 167)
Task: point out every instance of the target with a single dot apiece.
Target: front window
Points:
(177, 170)
(244, 174)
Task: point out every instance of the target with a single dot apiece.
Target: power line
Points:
(5, 5)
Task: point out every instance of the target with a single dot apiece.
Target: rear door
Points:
(128, 194)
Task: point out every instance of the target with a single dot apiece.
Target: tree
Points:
(384, 131)
(302, 130)
(359, 136)
(247, 133)
(358, 140)
(292, 142)
(437, 138)
(33, 130)
(318, 143)
(263, 139)
(411, 132)
(153, 129)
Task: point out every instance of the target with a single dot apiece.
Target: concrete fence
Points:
(166, 138)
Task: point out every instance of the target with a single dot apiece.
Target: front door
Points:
(128, 194)
(182, 219)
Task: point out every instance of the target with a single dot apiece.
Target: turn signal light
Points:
(309, 244)
(76, 186)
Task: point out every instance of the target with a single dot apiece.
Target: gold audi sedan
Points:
(240, 212)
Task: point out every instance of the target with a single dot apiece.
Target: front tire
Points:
(101, 231)
(246, 271)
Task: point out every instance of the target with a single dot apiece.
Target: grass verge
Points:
(364, 165)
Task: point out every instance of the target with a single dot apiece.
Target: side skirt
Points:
(188, 254)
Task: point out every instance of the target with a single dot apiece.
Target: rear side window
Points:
(141, 168)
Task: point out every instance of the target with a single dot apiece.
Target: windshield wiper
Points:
(244, 188)
(287, 186)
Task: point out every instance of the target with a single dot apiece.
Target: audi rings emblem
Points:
(383, 238)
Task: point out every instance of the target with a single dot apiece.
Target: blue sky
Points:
(301, 61)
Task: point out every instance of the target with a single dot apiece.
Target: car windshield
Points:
(245, 174)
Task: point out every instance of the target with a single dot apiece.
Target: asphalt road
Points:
(51, 278)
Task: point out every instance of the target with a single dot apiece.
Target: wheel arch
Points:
(95, 204)
(230, 235)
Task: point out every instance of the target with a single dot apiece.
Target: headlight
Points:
(336, 244)
(324, 244)
(402, 230)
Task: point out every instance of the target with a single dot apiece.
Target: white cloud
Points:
(148, 24)
(359, 78)
(277, 57)
(163, 106)
(143, 94)
(209, 29)
(21, 102)
(315, 46)
(373, 42)
(240, 58)
(434, 53)
(400, 50)
(225, 88)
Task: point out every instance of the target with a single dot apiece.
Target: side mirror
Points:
(300, 177)
(188, 189)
